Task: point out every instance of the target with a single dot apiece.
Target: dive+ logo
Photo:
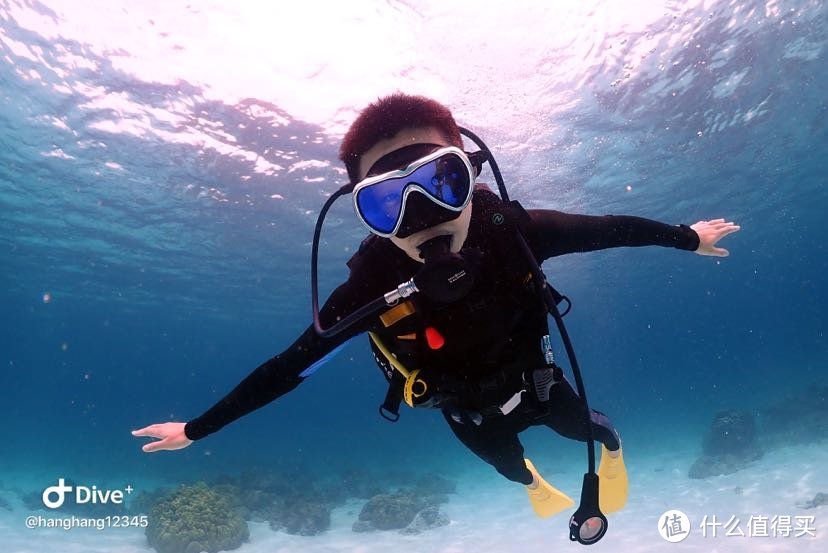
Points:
(83, 494)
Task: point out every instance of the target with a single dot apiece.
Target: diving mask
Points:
(445, 178)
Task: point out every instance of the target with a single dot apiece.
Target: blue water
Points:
(172, 270)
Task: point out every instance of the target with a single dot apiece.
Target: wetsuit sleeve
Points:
(551, 233)
(282, 373)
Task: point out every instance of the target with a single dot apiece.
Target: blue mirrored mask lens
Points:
(445, 179)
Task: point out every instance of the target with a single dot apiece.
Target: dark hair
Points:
(388, 116)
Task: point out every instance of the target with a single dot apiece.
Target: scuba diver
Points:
(448, 287)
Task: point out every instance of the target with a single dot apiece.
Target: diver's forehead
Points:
(406, 137)
(402, 157)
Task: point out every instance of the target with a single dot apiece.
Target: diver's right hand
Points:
(171, 436)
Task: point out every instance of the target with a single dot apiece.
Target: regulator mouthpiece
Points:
(445, 277)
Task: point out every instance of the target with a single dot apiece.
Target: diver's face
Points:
(457, 228)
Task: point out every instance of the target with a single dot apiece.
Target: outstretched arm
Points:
(269, 381)
(551, 233)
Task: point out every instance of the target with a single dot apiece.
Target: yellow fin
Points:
(546, 500)
(613, 486)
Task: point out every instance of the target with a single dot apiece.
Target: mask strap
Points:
(477, 159)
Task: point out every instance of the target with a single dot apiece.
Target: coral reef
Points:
(289, 502)
(731, 433)
(194, 519)
(359, 484)
(818, 500)
(428, 518)
(393, 511)
(729, 445)
(301, 516)
(295, 502)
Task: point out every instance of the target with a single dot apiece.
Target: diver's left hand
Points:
(711, 232)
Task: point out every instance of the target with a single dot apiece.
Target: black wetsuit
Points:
(489, 339)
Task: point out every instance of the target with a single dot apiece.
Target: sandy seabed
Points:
(489, 514)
